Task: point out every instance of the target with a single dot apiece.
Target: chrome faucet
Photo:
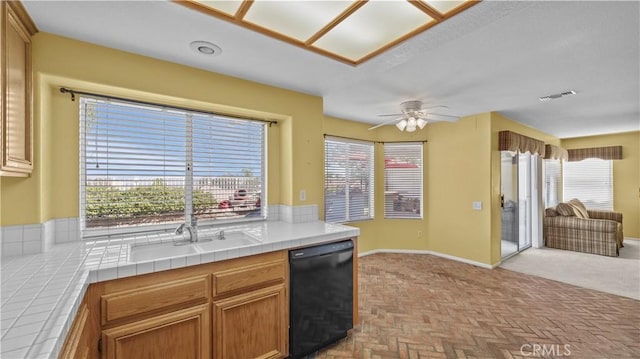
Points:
(221, 236)
(192, 228)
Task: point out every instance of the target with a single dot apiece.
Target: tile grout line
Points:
(51, 277)
(69, 284)
(17, 291)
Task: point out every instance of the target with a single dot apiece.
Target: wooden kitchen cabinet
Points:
(251, 309)
(252, 325)
(162, 315)
(183, 334)
(236, 308)
(82, 340)
(123, 306)
(16, 137)
(77, 345)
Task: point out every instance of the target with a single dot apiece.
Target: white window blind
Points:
(348, 184)
(552, 182)
(145, 167)
(590, 181)
(403, 180)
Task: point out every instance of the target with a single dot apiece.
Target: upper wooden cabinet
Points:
(16, 140)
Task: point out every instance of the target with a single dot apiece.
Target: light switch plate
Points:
(303, 195)
(477, 205)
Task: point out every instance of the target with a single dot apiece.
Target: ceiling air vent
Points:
(557, 96)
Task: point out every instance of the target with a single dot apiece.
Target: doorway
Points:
(520, 183)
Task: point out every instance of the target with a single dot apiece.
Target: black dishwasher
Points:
(321, 302)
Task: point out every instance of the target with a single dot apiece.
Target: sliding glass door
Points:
(525, 217)
(509, 202)
(520, 199)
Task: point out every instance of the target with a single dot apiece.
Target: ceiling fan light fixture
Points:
(401, 125)
(411, 124)
(413, 116)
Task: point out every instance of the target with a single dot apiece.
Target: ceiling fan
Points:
(413, 116)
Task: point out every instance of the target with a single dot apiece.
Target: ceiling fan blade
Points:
(385, 123)
(436, 106)
(441, 117)
(440, 114)
(390, 114)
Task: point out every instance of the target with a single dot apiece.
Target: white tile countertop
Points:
(41, 292)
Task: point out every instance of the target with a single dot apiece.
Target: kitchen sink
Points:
(232, 240)
(150, 252)
(159, 251)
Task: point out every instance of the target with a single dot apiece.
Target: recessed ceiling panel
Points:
(443, 6)
(351, 31)
(297, 19)
(371, 27)
(229, 7)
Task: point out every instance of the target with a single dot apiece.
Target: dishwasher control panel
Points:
(321, 249)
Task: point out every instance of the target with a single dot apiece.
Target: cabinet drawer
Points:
(232, 280)
(154, 298)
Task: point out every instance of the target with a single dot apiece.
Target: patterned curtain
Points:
(605, 153)
(511, 141)
(552, 152)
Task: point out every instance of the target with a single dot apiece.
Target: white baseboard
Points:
(437, 254)
(408, 251)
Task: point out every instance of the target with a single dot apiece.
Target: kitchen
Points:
(62, 274)
(47, 269)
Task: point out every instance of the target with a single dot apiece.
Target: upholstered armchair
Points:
(572, 227)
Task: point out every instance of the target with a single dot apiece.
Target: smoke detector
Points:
(206, 48)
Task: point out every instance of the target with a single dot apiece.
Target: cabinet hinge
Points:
(100, 345)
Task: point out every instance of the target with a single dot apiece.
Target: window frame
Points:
(566, 172)
(556, 166)
(370, 147)
(133, 229)
(387, 171)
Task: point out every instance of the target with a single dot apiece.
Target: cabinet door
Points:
(16, 91)
(252, 325)
(183, 334)
(77, 344)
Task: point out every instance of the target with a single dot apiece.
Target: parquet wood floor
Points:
(422, 306)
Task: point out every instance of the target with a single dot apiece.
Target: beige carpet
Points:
(615, 275)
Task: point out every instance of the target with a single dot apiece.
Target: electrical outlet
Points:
(303, 195)
(419, 234)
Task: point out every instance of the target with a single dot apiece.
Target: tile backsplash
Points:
(36, 238)
(298, 214)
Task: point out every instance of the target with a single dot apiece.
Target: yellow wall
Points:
(626, 174)
(380, 232)
(459, 164)
(456, 173)
(461, 160)
(295, 144)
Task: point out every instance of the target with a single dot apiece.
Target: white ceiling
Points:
(496, 56)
